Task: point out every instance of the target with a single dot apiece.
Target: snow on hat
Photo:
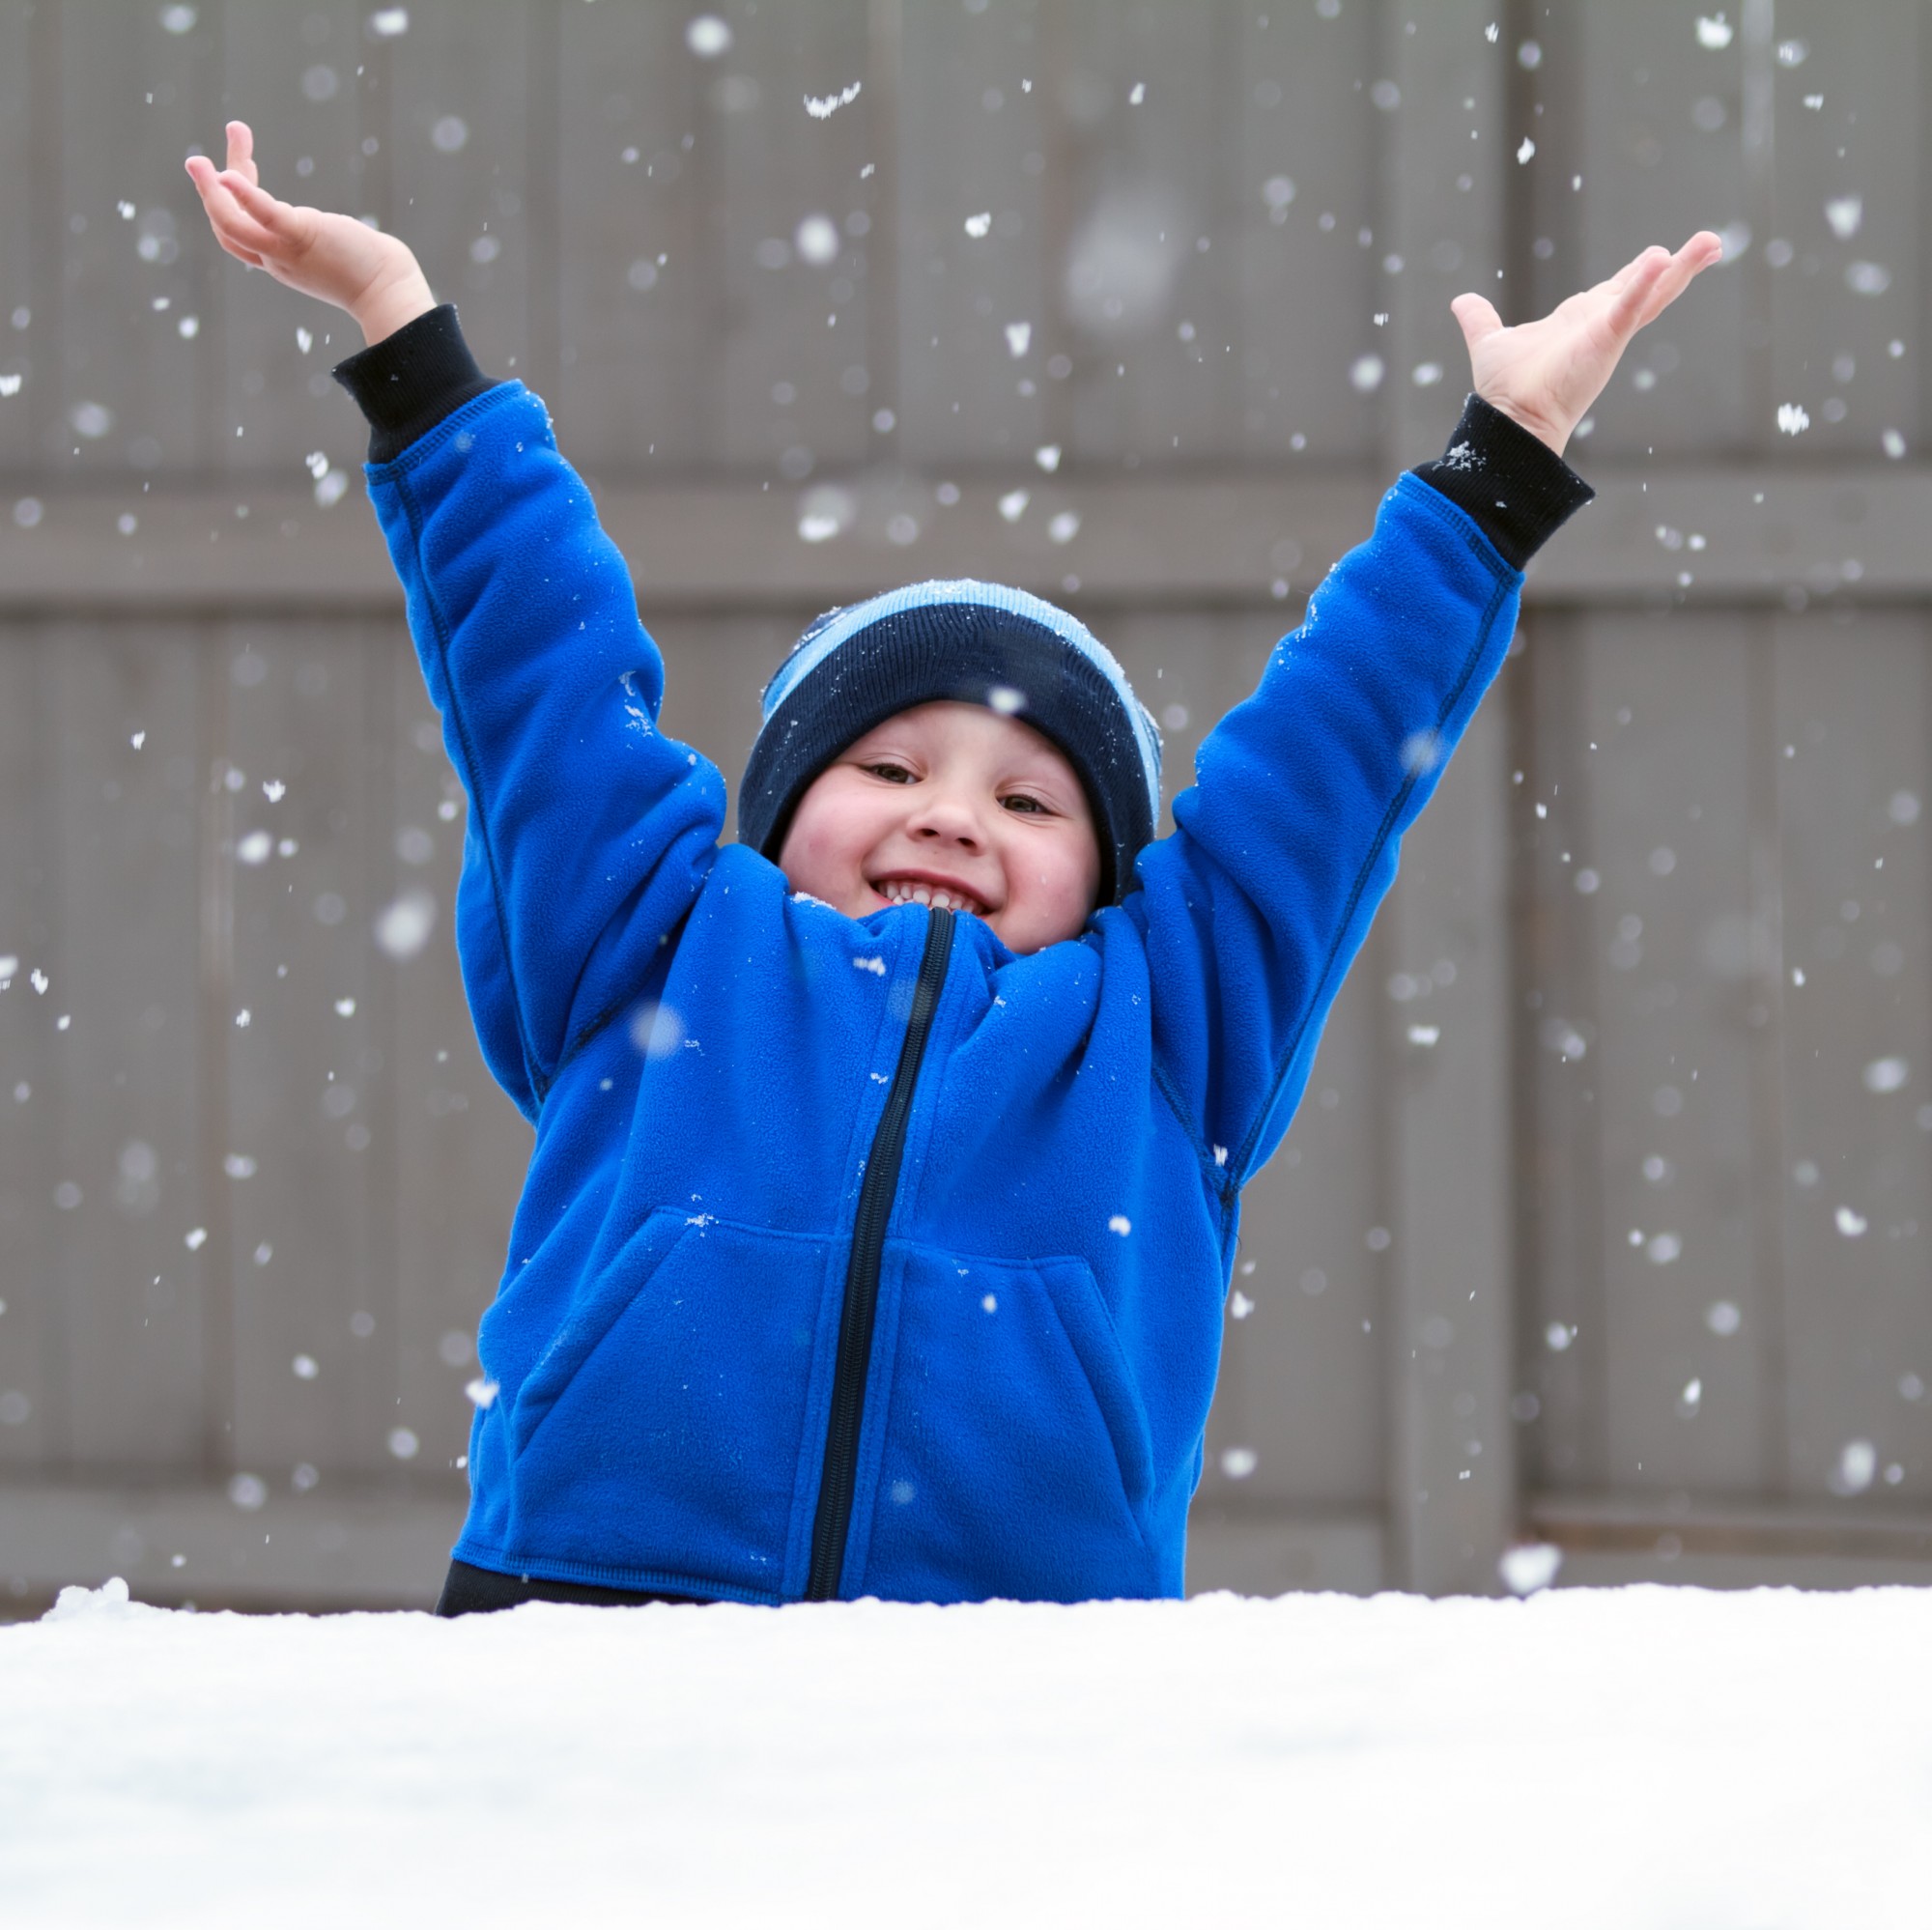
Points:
(966, 642)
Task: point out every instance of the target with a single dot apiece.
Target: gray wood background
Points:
(1604, 1222)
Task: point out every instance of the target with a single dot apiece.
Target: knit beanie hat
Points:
(966, 642)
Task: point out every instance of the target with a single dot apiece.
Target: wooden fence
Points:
(1604, 1219)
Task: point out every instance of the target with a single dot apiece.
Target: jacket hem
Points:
(601, 1575)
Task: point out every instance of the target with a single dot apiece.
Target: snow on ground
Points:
(1635, 1758)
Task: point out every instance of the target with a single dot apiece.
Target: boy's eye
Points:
(1021, 802)
(894, 773)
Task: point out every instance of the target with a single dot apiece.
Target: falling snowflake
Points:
(822, 108)
(403, 928)
(817, 240)
(1857, 1463)
(1845, 212)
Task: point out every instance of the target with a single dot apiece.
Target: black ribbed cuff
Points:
(1516, 489)
(407, 382)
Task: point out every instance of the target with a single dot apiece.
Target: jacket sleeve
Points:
(1254, 908)
(590, 831)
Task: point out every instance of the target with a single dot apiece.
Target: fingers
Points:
(1656, 278)
(1701, 251)
(241, 149)
(220, 195)
(250, 216)
(1634, 287)
(1477, 316)
(259, 204)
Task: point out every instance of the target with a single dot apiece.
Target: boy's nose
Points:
(946, 821)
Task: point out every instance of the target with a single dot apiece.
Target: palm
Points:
(1545, 374)
(333, 257)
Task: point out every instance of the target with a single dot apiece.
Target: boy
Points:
(867, 1250)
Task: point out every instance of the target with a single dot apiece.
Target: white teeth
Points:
(913, 891)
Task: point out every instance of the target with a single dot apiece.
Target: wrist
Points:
(1555, 437)
(394, 305)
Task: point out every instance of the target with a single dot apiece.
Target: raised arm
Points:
(1255, 908)
(589, 832)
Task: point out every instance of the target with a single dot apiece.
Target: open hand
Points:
(1546, 375)
(333, 256)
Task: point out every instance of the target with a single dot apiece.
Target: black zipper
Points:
(841, 1469)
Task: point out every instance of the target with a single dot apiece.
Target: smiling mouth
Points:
(916, 892)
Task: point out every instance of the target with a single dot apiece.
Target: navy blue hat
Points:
(966, 642)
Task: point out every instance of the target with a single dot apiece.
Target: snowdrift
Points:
(1645, 1757)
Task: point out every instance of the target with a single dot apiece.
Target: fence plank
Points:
(33, 1370)
(469, 146)
(978, 88)
(1560, 1202)
(24, 217)
(633, 162)
(1857, 1188)
(312, 1254)
(1840, 302)
(1302, 1383)
(1153, 187)
(1677, 945)
(1659, 155)
(132, 387)
(1305, 286)
(123, 964)
(780, 375)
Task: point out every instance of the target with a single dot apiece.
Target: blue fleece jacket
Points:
(711, 1062)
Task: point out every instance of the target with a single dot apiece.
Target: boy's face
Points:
(950, 804)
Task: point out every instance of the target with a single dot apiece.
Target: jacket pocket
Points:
(660, 1430)
(1016, 1457)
